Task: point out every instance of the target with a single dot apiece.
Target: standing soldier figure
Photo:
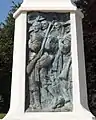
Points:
(40, 60)
(64, 79)
(66, 74)
(34, 45)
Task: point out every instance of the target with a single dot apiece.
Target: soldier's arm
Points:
(30, 66)
(32, 63)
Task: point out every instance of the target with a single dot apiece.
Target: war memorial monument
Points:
(48, 77)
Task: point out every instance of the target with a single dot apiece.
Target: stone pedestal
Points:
(17, 109)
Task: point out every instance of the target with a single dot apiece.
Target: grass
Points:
(2, 115)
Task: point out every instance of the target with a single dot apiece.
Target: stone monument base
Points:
(81, 114)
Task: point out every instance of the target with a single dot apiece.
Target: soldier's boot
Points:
(68, 106)
(31, 99)
(59, 102)
(68, 101)
(30, 108)
(37, 104)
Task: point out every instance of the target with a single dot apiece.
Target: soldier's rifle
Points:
(31, 65)
(45, 38)
(61, 35)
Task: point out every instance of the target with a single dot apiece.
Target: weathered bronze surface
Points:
(49, 71)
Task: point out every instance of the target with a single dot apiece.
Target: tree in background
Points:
(6, 56)
(88, 7)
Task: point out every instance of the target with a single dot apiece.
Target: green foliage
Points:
(6, 40)
(6, 53)
(88, 7)
(2, 115)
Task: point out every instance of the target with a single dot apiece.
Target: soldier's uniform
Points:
(66, 74)
(34, 45)
(64, 78)
(39, 72)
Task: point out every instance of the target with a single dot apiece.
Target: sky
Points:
(5, 6)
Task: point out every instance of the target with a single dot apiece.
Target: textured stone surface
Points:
(49, 72)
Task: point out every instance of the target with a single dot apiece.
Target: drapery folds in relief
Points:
(49, 61)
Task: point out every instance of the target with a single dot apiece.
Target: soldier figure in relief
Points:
(49, 65)
(66, 73)
(44, 63)
(34, 44)
(63, 83)
(42, 58)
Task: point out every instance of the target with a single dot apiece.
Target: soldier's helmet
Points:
(57, 25)
(67, 26)
(36, 26)
(67, 23)
(41, 18)
(43, 21)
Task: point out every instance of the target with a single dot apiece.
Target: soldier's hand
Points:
(39, 54)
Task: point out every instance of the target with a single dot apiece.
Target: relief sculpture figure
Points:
(34, 45)
(49, 68)
(64, 79)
